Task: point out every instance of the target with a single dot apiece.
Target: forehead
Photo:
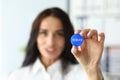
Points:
(50, 23)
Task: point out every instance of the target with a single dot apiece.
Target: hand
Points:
(90, 52)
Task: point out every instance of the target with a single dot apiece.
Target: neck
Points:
(47, 62)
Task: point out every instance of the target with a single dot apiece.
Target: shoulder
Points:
(20, 73)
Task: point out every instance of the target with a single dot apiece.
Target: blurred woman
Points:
(50, 56)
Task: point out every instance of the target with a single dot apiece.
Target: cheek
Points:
(61, 43)
(40, 42)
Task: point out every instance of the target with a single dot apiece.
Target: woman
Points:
(50, 56)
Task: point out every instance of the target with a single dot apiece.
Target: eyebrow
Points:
(59, 30)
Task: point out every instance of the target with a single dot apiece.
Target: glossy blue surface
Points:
(76, 40)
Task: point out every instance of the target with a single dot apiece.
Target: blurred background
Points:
(16, 17)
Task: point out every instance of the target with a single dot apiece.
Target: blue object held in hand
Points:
(77, 40)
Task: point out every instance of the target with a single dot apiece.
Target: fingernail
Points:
(81, 33)
(88, 34)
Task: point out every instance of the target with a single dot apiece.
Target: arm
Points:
(95, 74)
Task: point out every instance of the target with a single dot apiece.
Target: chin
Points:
(51, 57)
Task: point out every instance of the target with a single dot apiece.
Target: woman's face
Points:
(50, 40)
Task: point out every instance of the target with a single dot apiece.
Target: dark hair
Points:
(32, 51)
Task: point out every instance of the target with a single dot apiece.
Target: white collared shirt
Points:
(54, 72)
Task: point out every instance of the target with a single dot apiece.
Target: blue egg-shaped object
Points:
(76, 40)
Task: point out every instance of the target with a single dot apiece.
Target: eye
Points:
(43, 33)
(59, 34)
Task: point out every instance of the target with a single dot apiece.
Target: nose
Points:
(50, 40)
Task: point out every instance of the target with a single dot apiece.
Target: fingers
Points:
(77, 31)
(93, 34)
(88, 33)
(84, 32)
(102, 38)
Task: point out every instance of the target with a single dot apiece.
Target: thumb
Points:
(75, 51)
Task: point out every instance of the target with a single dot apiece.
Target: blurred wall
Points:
(0, 35)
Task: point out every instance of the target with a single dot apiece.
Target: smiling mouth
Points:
(50, 50)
